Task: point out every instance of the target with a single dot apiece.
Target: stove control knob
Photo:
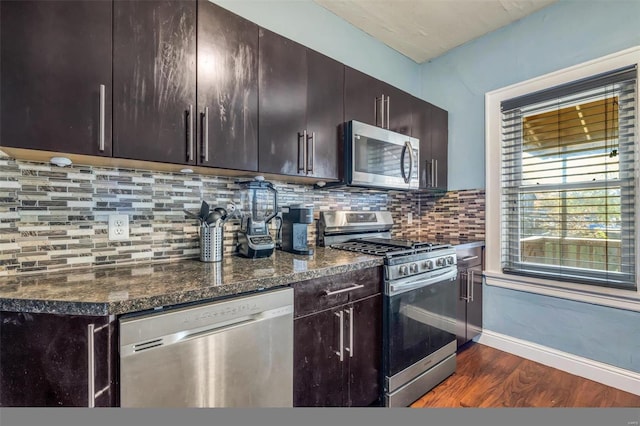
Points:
(403, 270)
(450, 260)
(440, 261)
(413, 268)
(428, 264)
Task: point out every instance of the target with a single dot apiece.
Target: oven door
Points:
(419, 327)
(382, 158)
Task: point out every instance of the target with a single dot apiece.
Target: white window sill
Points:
(611, 297)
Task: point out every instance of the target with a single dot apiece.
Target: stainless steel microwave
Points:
(379, 158)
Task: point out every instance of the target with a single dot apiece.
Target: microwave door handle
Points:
(404, 152)
(410, 149)
(407, 147)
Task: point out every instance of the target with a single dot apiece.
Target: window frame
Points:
(620, 298)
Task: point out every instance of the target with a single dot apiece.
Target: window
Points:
(568, 156)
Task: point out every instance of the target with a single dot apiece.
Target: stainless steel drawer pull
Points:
(342, 290)
(311, 152)
(91, 366)
(302, 151)
(468, 258)
(340, 352)
(205, 134)
(190, 134)
(102, 119)
(351, 331)
(471, 278)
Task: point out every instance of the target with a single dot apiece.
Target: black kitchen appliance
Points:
(259, 205)
(419, 301)
(294, 229)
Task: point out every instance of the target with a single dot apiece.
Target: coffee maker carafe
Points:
(259, 206)
(294, 229)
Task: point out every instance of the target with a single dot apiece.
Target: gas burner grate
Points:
(387, 250)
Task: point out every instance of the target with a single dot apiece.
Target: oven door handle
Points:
(404, 286)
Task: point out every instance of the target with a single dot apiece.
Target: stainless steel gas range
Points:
(419, 309)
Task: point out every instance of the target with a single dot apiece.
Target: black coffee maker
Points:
(294, 229)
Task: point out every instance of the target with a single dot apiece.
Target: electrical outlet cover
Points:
(118, 227)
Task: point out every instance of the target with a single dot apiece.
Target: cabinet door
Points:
(55, 56)
(228, 88)
(440, 146)
(360, 94)
(325, 112)
(430, 125)
(318, 373)
(154, 80)
(46, 360)
(364, 342)
(398, 110)
(282, 80)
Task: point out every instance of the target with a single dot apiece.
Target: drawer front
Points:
(334, 290)
(469, 256)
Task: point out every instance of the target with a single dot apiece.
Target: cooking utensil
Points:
(222, 211)
(214, 216)
(204, 211)
(192, 215)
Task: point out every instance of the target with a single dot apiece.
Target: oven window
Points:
(419, 323)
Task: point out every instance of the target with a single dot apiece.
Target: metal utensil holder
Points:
(211, 243)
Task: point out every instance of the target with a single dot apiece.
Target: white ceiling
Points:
(424, 29)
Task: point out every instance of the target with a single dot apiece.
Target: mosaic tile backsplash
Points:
(54, 218)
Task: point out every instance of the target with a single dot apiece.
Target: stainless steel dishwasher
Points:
(233, 353)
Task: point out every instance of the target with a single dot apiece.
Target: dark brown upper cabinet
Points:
(375, 102)
(227, 89)
(301, 109)
(154, 80)
(431, 126)
(56, 76)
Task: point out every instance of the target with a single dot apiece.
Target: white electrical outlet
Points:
(409, 218)
(118, 227)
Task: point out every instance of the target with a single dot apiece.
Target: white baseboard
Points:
(609, 375)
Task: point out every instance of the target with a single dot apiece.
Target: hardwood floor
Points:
(487, 377)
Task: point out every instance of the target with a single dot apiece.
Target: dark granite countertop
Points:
(132, 288)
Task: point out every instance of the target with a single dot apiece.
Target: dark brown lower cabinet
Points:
(49, 360)
(337, 349)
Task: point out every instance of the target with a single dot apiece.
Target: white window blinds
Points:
(568, 181)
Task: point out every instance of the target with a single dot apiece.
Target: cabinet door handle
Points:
(436, 173)
(190, 133)
(205, 134)
(102, 119)
(302, 154)
(91, 366)
(433, 174)
(340, 353)
(463, 284)
(382, 106)
(388, 109)
(351, 331)
(471, 278)
(311, 152)
(342, 290)
(375, 111)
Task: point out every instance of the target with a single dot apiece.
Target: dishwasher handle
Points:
(199, 332)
